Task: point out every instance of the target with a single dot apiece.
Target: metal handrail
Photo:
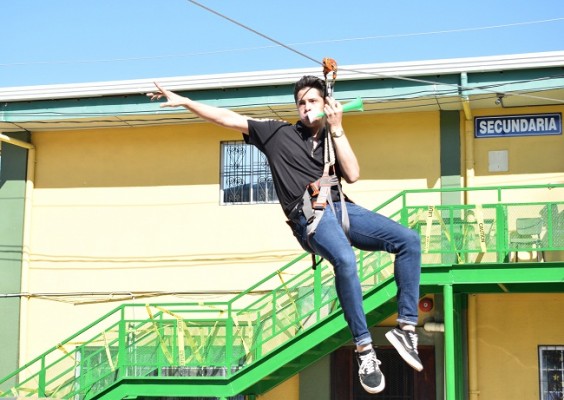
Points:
(217, 340)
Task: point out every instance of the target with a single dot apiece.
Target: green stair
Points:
(291, 319)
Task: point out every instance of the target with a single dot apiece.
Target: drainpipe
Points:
(16, 142)
(472, 348)
(26, 240)
(468, 135)
(469, 182)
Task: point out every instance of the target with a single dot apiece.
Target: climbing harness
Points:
(318, 194)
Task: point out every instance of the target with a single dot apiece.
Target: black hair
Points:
(309, 81)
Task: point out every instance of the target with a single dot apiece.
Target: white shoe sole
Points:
(377, 389)
(402, 352)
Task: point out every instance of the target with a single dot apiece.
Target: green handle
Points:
(355, 105)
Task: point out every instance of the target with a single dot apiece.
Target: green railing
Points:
(218, 340)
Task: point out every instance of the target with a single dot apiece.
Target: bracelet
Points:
(338, 133)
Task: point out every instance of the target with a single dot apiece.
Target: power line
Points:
(380, 75)
(255, 31)
(459, 30)
(171, 116)
(290, 46)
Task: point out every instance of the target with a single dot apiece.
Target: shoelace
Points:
(368, 363)
(413, 338)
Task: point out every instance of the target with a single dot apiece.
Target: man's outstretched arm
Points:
(219, 116)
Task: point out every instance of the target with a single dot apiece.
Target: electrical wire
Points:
(254, 31)
(119, 296)
(315, 42)
(379, 75)
(403, 35)
(281, 114)
(76, 298)
(460, 87)
(172, 116)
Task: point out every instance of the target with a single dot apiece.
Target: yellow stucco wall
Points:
(138, 210)
(532, 159)
(289, 390)
(395, 152)
(509, 329)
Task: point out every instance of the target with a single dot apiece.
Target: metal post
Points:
(229, 342)
(501, 233)
(42, 379)
(317, 291)
(122, 356)
(450, 366)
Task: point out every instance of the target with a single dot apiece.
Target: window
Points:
(551, 372)
(245, 175)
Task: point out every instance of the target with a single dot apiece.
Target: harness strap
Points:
(313, 209)
(318, 194)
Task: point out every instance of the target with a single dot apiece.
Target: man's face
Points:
(310, 100)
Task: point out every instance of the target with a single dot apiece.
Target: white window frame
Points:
(548, 373)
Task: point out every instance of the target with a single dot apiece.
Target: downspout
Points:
(26, 240)
(468, 135)
(469, 182)
(450, 355)
(473, 391)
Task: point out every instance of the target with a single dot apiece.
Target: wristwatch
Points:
(337, 133)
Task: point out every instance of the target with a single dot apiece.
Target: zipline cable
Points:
(459, 87)
(254, 31)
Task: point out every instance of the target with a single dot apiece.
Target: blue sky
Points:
(80, 41)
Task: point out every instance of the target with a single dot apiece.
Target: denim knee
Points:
(345, 264)
(412, 240)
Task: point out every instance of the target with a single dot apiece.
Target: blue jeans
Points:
(373, 232)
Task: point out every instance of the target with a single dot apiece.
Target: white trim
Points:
(287, 76)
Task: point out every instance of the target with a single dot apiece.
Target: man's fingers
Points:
(159, 87)
(157, 95)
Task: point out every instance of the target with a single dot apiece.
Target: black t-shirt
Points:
(293, 161)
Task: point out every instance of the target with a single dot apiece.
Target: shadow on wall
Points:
(191, 155)
(135, 157)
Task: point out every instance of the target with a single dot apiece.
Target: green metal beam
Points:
(525, 80)
(296, 346)
(450, 357)
(507, 273)
(13, 169)
(378, 88)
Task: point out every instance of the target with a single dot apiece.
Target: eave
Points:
(524, 80)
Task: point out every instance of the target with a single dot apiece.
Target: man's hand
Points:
(220, 116)
(172, 99)
(334, 112)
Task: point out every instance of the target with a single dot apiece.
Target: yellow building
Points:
(108, 199)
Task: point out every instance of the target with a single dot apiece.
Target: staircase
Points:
(291, 318)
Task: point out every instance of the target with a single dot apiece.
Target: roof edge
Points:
(286, 76)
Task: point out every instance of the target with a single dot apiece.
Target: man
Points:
(296, 157)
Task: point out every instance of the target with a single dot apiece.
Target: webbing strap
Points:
(329, 158)
(313, 209)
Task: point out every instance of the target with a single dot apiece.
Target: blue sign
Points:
(518, 125)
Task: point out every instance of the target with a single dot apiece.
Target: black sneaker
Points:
(405, 343)
(371, 378)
